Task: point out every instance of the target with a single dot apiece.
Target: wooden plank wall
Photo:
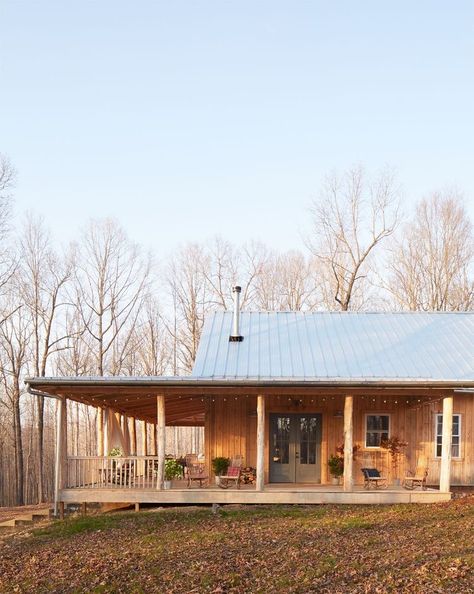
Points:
(231, 428)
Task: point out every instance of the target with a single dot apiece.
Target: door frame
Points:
(294, 444)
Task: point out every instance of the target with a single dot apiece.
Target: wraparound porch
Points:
(237, 419)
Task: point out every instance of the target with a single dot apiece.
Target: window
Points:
(456, 443)
(377, 428)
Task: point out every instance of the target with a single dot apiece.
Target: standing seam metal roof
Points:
(339, 345)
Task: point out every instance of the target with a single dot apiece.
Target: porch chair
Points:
(232, 474)
(416, 479)
(373, 478)
(195, 471)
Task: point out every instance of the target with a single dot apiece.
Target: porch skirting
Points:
(270, 495)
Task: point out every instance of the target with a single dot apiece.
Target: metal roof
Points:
(339, 346)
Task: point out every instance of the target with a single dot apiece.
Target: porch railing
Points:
(104, 472)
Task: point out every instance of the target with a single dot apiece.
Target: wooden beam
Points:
(446, 445)
(161, 422)
(260, 442)
(348, 443)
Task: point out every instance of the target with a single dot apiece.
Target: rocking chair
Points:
(416, 479)
(232, 474)
(196, 471)
(373, 478)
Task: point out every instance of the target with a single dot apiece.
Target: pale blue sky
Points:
(186, 119)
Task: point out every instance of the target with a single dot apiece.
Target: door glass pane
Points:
(281, 441)
(303, 452)
(308, 440)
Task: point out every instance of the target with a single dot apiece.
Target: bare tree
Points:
(78, 358)
(220, 262)
(149, 351)
(432, 262)
(351, 218)
(43, 278)
(190, 297)
(111, 282)
(286, 282)
(15, 336)
(7, 181)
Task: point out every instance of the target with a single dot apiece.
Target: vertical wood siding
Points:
(231, 428)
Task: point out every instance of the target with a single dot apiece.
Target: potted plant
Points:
(173, 470)
(336, 463)
(115, 453)
(395, 446)
(220, 466)
(336, 467)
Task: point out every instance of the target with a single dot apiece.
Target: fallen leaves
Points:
(323, 549)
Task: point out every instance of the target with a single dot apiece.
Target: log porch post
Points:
(60, 470)
(446, 445)
(144, 438)
(100, 431)
(260, 442)
(105, 430)
(133, 436)
(348, 443)
(161, 439)
(155, 439)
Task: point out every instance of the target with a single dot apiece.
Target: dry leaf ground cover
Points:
(427, 549)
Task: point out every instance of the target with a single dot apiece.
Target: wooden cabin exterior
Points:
(284, 390)
(231, 427)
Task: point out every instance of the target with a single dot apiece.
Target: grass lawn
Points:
(402, 548)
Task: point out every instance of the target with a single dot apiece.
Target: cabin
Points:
(286, 391)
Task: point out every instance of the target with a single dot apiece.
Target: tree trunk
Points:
(18, 450)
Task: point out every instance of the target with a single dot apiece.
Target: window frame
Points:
(459, 456)
(376, 414)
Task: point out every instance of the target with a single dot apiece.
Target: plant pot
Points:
(218, 480)
(167, 484)
(335, 480)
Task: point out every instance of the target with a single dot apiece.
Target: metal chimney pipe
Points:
(236, 336)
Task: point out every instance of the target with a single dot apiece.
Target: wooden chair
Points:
(233, 473)
(373, 479)
(416, 479)
(195, 471)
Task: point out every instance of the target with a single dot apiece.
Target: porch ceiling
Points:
(185, 397)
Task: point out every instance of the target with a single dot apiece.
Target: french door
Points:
(295, 448)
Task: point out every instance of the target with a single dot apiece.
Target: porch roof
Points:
(186, 397)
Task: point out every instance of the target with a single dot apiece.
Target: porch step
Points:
(27, 518)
